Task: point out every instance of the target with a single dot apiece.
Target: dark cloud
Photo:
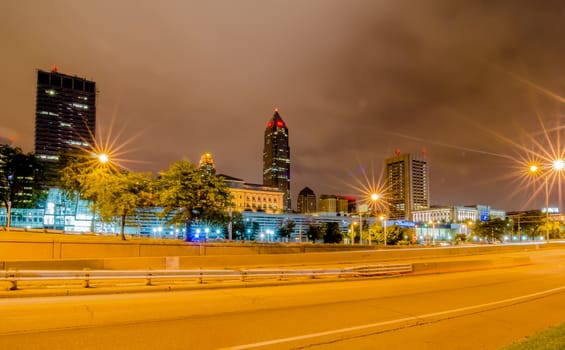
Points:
(353, 80)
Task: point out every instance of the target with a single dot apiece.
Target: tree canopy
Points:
(332, 233)
(187, 193)
(314, 232)
(112, 193)
(286, 229)
(491, 230)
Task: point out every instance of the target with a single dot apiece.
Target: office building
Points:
(306, 203)
(407, 178)
(20, 177)
(254, 197)
(65, 115)
(276, 158)
(330, 204)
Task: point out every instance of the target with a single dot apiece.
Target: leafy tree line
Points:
(530, 225)
(185, 193)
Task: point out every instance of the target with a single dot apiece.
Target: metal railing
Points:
(86, 276)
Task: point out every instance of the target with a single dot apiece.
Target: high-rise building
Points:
(20, 177)
(65, 114)
(276, 158)
(407, 178)
(306, 203)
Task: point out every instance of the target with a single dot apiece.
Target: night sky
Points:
(472, 82)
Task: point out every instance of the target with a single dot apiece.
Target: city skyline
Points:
(354, 83)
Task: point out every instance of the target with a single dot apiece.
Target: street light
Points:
(433, 223)
(383, 221)
(557, 165)
(374, 198)
(9, 208)
(352, 231)
(103, 158)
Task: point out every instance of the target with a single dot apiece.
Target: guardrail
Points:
(87, 276)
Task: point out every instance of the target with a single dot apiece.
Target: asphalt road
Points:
(472, 310)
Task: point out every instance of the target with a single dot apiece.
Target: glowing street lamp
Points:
(103, 158)
(374, 198)
(557, 165)
(383, 221)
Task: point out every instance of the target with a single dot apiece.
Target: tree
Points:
(529, 224)
(238, 227)
(286, 229)
(251, 230)
(491, 230)
(395, 234)
(111, 192)
(191, 194)
(121, 195)
(332, 233)
(377, 233)
(314, 232)
(460, 237)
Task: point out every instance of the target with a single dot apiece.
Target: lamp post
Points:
(374, 198)
(433, 223)
(383, 221)
(352, 231)
(360, 229)
(557, 165)
(362, 208)
(230, 224)
(9, 208)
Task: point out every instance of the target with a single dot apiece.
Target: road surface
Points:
(472, 310)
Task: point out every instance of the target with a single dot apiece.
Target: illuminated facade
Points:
(330, 204)
(276, 158)
(253, 197)
(306, 203)
(207, 164)
(446, 214)
(407, 179)
(65, 113)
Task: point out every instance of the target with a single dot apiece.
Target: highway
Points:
(472, 310)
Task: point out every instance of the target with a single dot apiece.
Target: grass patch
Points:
(552, 338)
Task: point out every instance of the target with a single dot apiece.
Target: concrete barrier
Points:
(42, 248)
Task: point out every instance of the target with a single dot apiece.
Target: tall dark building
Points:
(276, 158)
(407, 185)
(65, 114)
(306, 203)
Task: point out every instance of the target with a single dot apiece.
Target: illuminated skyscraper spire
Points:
(207, 164)
(276, 157)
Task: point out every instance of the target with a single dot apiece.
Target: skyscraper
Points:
(65, 114)
(276, 158)
(207, 164)
(407, 185)
(306, 203)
